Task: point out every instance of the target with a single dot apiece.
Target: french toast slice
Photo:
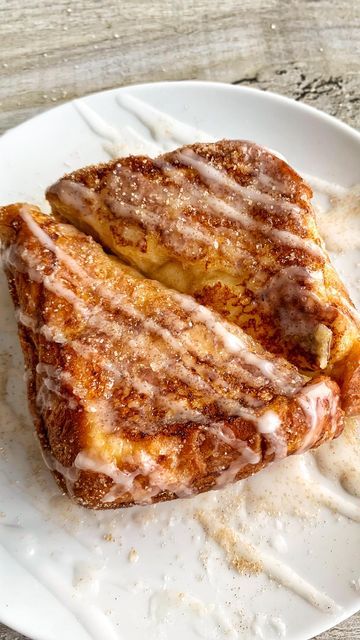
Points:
(139, 393)
(231, 224)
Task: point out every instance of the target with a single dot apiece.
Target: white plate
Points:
(152, 571)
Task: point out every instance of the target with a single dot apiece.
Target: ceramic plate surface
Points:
(175, 570)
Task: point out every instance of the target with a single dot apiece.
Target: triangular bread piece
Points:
(139, 393)
(232, 225)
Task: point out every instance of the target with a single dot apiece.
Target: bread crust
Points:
(138, 394)
(232, 225)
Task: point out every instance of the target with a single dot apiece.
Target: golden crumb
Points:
(133, 555)
(108, 537)
(244, 566)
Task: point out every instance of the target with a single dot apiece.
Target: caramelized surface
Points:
(232, 225)
(139, 393)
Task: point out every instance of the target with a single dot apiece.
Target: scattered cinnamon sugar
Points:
(226, 538)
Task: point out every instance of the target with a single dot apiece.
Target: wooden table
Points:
(51, 52)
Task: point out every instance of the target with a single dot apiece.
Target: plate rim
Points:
(346, 128)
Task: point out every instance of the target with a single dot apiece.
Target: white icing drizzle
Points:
(119, 142)
(97, 123)
(339, 221)
(279, 543)
(315, 402)
(25, 319)
(269, 425)
(278, 445)
(212, 175)
(123, 479)
(333, 501)
(140, 213)
(291, 240)
(51, 382)
(270, 490)
(240, 213)
(297, 282)
(165, 129)
(231, 340)
(229, 475)
(276, 569)
(193, 380)
(323, 186)
(276, 153)
(70, 474)
(263, 624)
(339, 459)
(268, 422)
(178, 228)
(80, 197)
(93, 622)
(158, 480)
(52, 334)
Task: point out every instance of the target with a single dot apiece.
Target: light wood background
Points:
(51, 52)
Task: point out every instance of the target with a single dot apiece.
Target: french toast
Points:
(139, 393)
(231, 224)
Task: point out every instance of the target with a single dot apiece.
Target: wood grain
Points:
(51, 52)
(306, 49)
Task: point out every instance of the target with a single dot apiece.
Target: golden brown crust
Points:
(232, 225)
(135, 392)
(347, 374)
